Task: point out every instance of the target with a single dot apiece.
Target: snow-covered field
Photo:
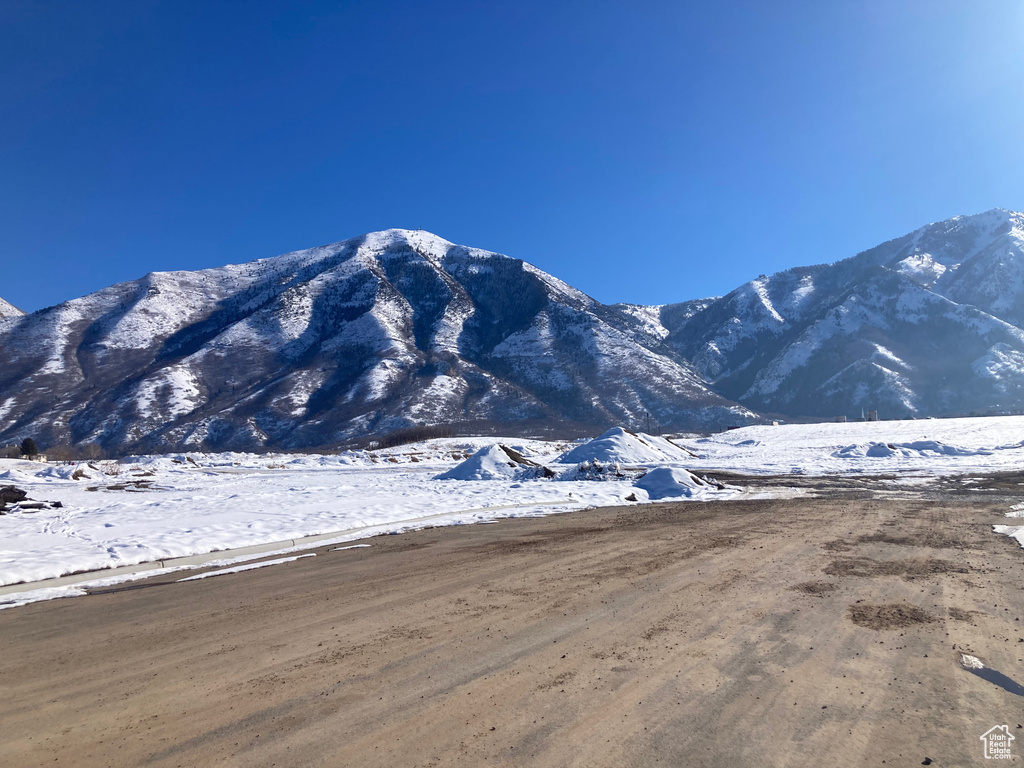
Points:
(157, 508)
(927, 446)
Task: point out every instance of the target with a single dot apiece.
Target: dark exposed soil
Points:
(908, 569)
(815, 587)
(888, 616)
(929, 539)
(959, 614)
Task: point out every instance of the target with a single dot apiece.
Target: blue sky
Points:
(644, 151)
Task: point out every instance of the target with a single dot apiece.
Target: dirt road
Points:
(758, 633)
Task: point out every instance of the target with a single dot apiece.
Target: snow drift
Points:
(620, 446)
(496, 462)
(670, 482)
(916, 448)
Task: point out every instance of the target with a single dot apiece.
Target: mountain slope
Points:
(9, 310)
(924, 324)
(389, 330)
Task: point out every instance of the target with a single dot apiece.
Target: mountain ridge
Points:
(385, 331)
(401, 328)
(921, 294)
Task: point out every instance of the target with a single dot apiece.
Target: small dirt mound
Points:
(888, 615)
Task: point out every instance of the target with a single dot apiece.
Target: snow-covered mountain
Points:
(929, 323)
(9, 310)
(401, 328)
(389, 330)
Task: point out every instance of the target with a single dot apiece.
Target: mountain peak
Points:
(982, 227)
(388, 330)
(372, 246)
(415, 238)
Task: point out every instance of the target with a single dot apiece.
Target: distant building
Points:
(872, 416)
(840, 419)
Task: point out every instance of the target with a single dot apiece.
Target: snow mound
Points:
(917, 448)
(495, 462)
(16, 470)
(669, 482)
(619, 446)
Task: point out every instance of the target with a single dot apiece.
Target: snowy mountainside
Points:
(976, 260)
(929, 323)
(385, 331)
(9, 310)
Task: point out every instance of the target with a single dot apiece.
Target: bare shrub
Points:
(414, 435)
(111, 468)
(84, 452)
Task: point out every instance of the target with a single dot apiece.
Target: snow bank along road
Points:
(803, 632)
(117, 514)
(153, 509)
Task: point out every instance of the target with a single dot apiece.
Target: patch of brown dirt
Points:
(814, 587)
(931, 540)
(557, 682)
(959, 614)
(888, 615)
(720, 541)
(908, 569)
(837, 545)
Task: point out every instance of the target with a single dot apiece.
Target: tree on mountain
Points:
(28, 447)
